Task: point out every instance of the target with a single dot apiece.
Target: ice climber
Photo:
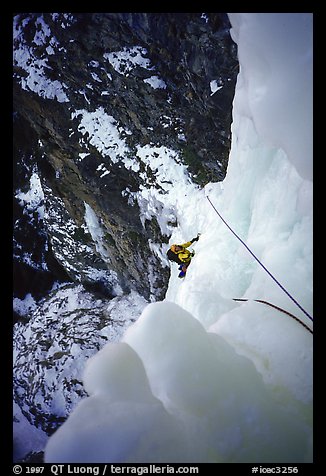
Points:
(181, 255)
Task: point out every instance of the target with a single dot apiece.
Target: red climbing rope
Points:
(279, 309)
(261, 264)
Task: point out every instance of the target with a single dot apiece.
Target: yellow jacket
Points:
(184, 255)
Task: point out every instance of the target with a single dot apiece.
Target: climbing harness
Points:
(279, 309)
(261, 264)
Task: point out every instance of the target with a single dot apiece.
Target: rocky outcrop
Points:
(51, 348)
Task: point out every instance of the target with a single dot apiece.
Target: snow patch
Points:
(36, 67)
(126, 60)
(155, 82)
(33, 199)
(214, 85)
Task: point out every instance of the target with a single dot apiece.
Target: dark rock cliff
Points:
(66, 64)
(107, 106)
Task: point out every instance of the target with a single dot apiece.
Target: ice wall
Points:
(275, 81)
(172, 392)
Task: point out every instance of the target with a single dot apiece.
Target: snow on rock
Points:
(126, 60)
(171, 182)
(24, 306)
(51, 348)
(32, 200)
(104, 133)
(35, 65)
(214, 85)
(155, 82)
(27, 438)
(96, 231)
(72, 246)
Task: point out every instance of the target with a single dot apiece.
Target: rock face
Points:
(107, 106)
(90, 90)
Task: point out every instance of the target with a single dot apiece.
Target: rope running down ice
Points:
(261, 264)
(279, 309)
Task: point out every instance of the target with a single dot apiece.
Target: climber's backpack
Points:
(173, 256)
